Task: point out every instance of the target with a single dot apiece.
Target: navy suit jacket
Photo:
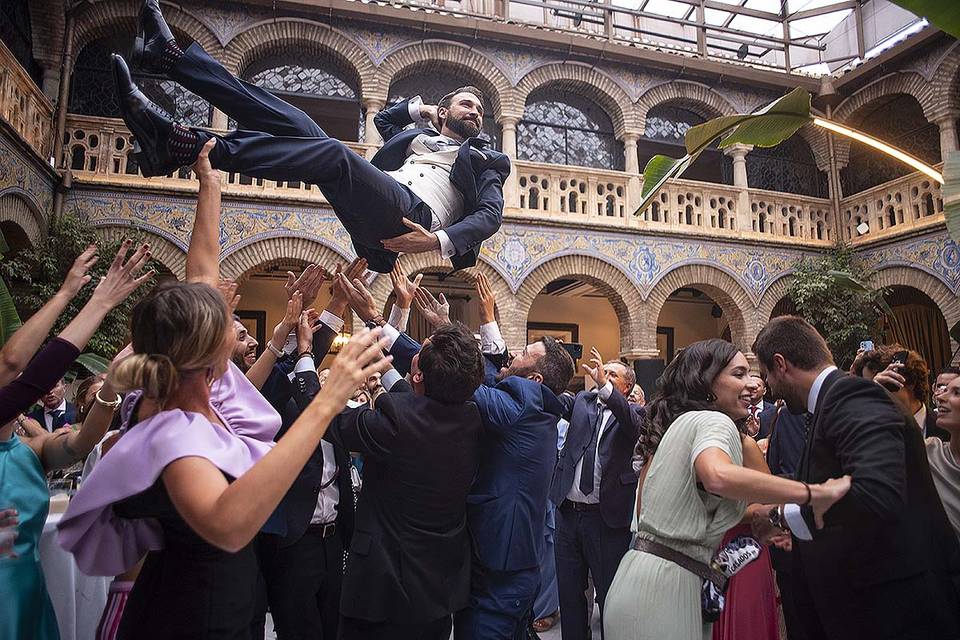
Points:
(478, 174)
(518, 452)
(618, 480)
(69, 416)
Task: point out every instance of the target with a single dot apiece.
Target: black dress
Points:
(189, 589)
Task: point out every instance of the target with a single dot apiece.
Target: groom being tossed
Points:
(427, 189)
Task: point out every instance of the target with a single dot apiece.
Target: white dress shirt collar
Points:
(815, 389)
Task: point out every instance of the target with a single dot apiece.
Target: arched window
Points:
(435, 84)
(897, 120)
(564, 128)
(92, 90)
(16, 32)
(666, 126)
(321, 86)
(788, 167)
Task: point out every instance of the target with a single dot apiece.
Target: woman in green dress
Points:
(694, 485)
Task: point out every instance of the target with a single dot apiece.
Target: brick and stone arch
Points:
(947, 79)
(695, 96)
(21, 210)
(733, 299)
(47, 24)
(850, 110)
(586, 81)
(611, 282)
(102, 19)
(902, 276)
(281, 35)
(816, 139)
(768, 301)
(476, 68)
(171, 256)
(240, 261)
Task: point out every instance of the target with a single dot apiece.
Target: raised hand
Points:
(404, 289)
(419, 240)
(358, 297)
(825, 495)
(596, 371)
(290, 320)
(435, 312)
(228, 289)
(309, 283)
(123, 277)
(488, 300)
(79, 273)
(202, 166)
(305, 331)
(359, 359)
(891, 378)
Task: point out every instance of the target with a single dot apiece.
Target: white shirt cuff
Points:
(389, 378)
(304, 364)
(447, 249)
(413, 108)
(399, 317)
(391, 334)
(798, 526)
(491, 340)
(605, 391)
(331, 321)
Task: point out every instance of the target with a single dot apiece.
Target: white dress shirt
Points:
(575, 495)
(48, 414)
(921, 418)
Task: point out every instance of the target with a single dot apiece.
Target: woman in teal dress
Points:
(26, 612)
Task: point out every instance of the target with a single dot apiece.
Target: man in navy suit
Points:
(594, 488)
(54, 411)
(428, 189)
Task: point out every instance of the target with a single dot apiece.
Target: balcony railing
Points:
(893, 207)
(100, 151)
(23, 105)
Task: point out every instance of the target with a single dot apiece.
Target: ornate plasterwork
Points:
(226, 24)
(18, 174)
(935, 254)
(378, 44)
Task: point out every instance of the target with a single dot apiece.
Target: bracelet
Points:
(304, 354)
(809, 494)
(272, 349)
(112, 405)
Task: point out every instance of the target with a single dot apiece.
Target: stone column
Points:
(508, 140)
(372, 106)
(738, 153)
(948, 133)
(631, 164)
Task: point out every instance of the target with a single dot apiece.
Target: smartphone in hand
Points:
(866, 345)
(900, 357)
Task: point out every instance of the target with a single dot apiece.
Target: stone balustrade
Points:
(23, 105)
(915, 200)
(571, 194)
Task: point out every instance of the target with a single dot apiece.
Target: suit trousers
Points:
(501, 604)
(584, 543)
(356, 629)
(302, 584)
(280, 142)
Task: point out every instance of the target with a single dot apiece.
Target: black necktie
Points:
(590, 456)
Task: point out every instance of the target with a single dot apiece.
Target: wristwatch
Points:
(775, 516)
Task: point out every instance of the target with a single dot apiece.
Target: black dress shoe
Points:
(148, 124)
(153, 34)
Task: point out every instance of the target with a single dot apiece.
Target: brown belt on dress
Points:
(695, 567)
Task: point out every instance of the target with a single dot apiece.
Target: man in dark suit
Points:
(409, 563)
(594, 488)
(886, 563)
(54, 411)
(427, 189)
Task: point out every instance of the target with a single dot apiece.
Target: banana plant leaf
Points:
(951, 194)
(942, 13)
(767, 127)
(93, 363)
(9, 318)
(846, 281)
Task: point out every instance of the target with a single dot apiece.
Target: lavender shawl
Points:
(106, 545)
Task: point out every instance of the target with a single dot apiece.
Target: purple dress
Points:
(187, 588)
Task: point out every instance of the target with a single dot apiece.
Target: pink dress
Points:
(751, 611)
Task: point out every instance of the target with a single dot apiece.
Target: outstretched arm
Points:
(203, 253)
(485, 219)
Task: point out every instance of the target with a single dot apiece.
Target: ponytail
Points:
(153, 373)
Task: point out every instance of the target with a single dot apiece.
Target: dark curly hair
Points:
(684, 386)
(452, 364)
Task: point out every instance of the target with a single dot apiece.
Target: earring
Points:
(711, 397)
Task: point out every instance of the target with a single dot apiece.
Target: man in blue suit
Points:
(430, 188)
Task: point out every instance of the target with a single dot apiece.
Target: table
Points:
(78, 599)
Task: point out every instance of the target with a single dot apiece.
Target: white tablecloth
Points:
(78, 599)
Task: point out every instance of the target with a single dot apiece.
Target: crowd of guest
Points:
(451, 487)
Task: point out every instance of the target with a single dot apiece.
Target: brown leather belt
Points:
(695, 567)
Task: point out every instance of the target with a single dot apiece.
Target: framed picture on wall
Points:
(256, 324)
(665, 343)
(565, 332)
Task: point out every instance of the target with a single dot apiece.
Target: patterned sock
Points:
(170, 57)
(184, 144)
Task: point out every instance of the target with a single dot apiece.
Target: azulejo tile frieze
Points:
(19, 174)
(933, 253)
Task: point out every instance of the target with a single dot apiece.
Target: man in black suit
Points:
(428, 189)
(594, 488)
(409, 564)
(886, 563)
(54, 411)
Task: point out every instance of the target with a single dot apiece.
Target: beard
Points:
(463, 128)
